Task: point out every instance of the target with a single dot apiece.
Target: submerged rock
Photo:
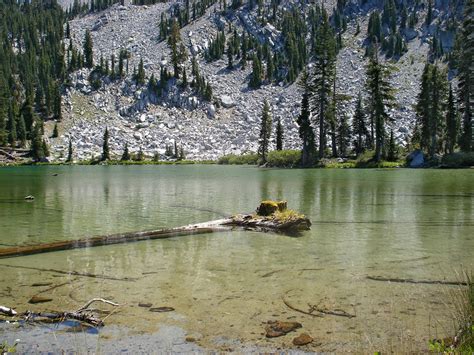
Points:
(39, 299)
(302, 339)
(279, 328)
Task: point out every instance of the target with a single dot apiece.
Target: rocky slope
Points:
(205, 130)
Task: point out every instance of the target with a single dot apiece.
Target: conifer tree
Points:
(88, 51)
(380, 100)
(37, 151)
(306, 132)
(140, 77)
(21, 131)
(105, 146)
(45, 148)
(466, 79)
(279, 135)
(55, 131)
(322, 78)
(11, 126)
(69, 153)
(126, 153)
(452, 124)
(176, 55)
(256, 78)
(265, 132)
(343, 135)
(392, 148)
(359, 127)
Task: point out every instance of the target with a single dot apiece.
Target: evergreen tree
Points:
(88, 51)
(392, 148)
(380, 100)
(322, 78)
(177, 55)
(305, 131)
(256, 78)
(22, 134)
(452, 124)
(105, 146)
(359, 127)
(466, 78)
(45, 148)
(11, 126)
(343, 135)
(279, 136)
(55, 131)
(126, 154)
(265, 131)
(140, 77)
(69, 153)
(37, 151)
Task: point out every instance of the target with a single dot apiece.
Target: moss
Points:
(287, 216)
(267, 208)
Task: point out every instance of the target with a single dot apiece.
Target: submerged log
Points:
(280, 221)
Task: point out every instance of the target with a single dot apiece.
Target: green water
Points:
(395, 223)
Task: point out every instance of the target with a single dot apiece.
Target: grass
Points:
(463, 317)
(287, 216)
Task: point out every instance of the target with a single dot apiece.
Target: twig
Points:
(299, 310)
(336, 312)
(411, 281)
(8, 311)
(97, 300)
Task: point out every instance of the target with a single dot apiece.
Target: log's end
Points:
(269, 207)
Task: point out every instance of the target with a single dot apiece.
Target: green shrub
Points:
(458, 160)
(284, 158)
(233, 159)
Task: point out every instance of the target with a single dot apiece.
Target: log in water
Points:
(291, 226)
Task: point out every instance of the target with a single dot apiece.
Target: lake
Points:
(411, 224)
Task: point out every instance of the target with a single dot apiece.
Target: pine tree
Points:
(343, 135)
(359, 127)
(126, 153)
(21, 131)
(306, 132)
(11, 126)
(256, 78)
(140, 77)
(55, 131)
(265, 131)
(392, 148)
(322, 78)
(380, 99)
(452, 124)
(88, 51)
(37, 151)
(279, 136)
(176, 55)
(45, 148)
(69, 153)
(105, 146)
(466, 79)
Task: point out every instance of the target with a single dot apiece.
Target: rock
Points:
(279, 328)
(39, 299)
(211, 111)
(416, 159)
(190, 339)
(29, 198)
(302, 339)
(227, 101)
(145, 305)
(162, 309)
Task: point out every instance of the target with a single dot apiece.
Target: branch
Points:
(83, 308)
(8, 311)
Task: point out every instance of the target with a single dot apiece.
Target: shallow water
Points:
(395, 223)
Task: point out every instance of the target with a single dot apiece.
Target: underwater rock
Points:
(39, 299)
(302, 339)
(279, 328)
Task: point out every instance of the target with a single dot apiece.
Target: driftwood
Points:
(291, 224)
(314, 308)
(80, 315)
(411, 281)
(70, 273)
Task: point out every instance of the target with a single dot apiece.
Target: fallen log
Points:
(56, 317)
(411, 281)
(280, 221)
